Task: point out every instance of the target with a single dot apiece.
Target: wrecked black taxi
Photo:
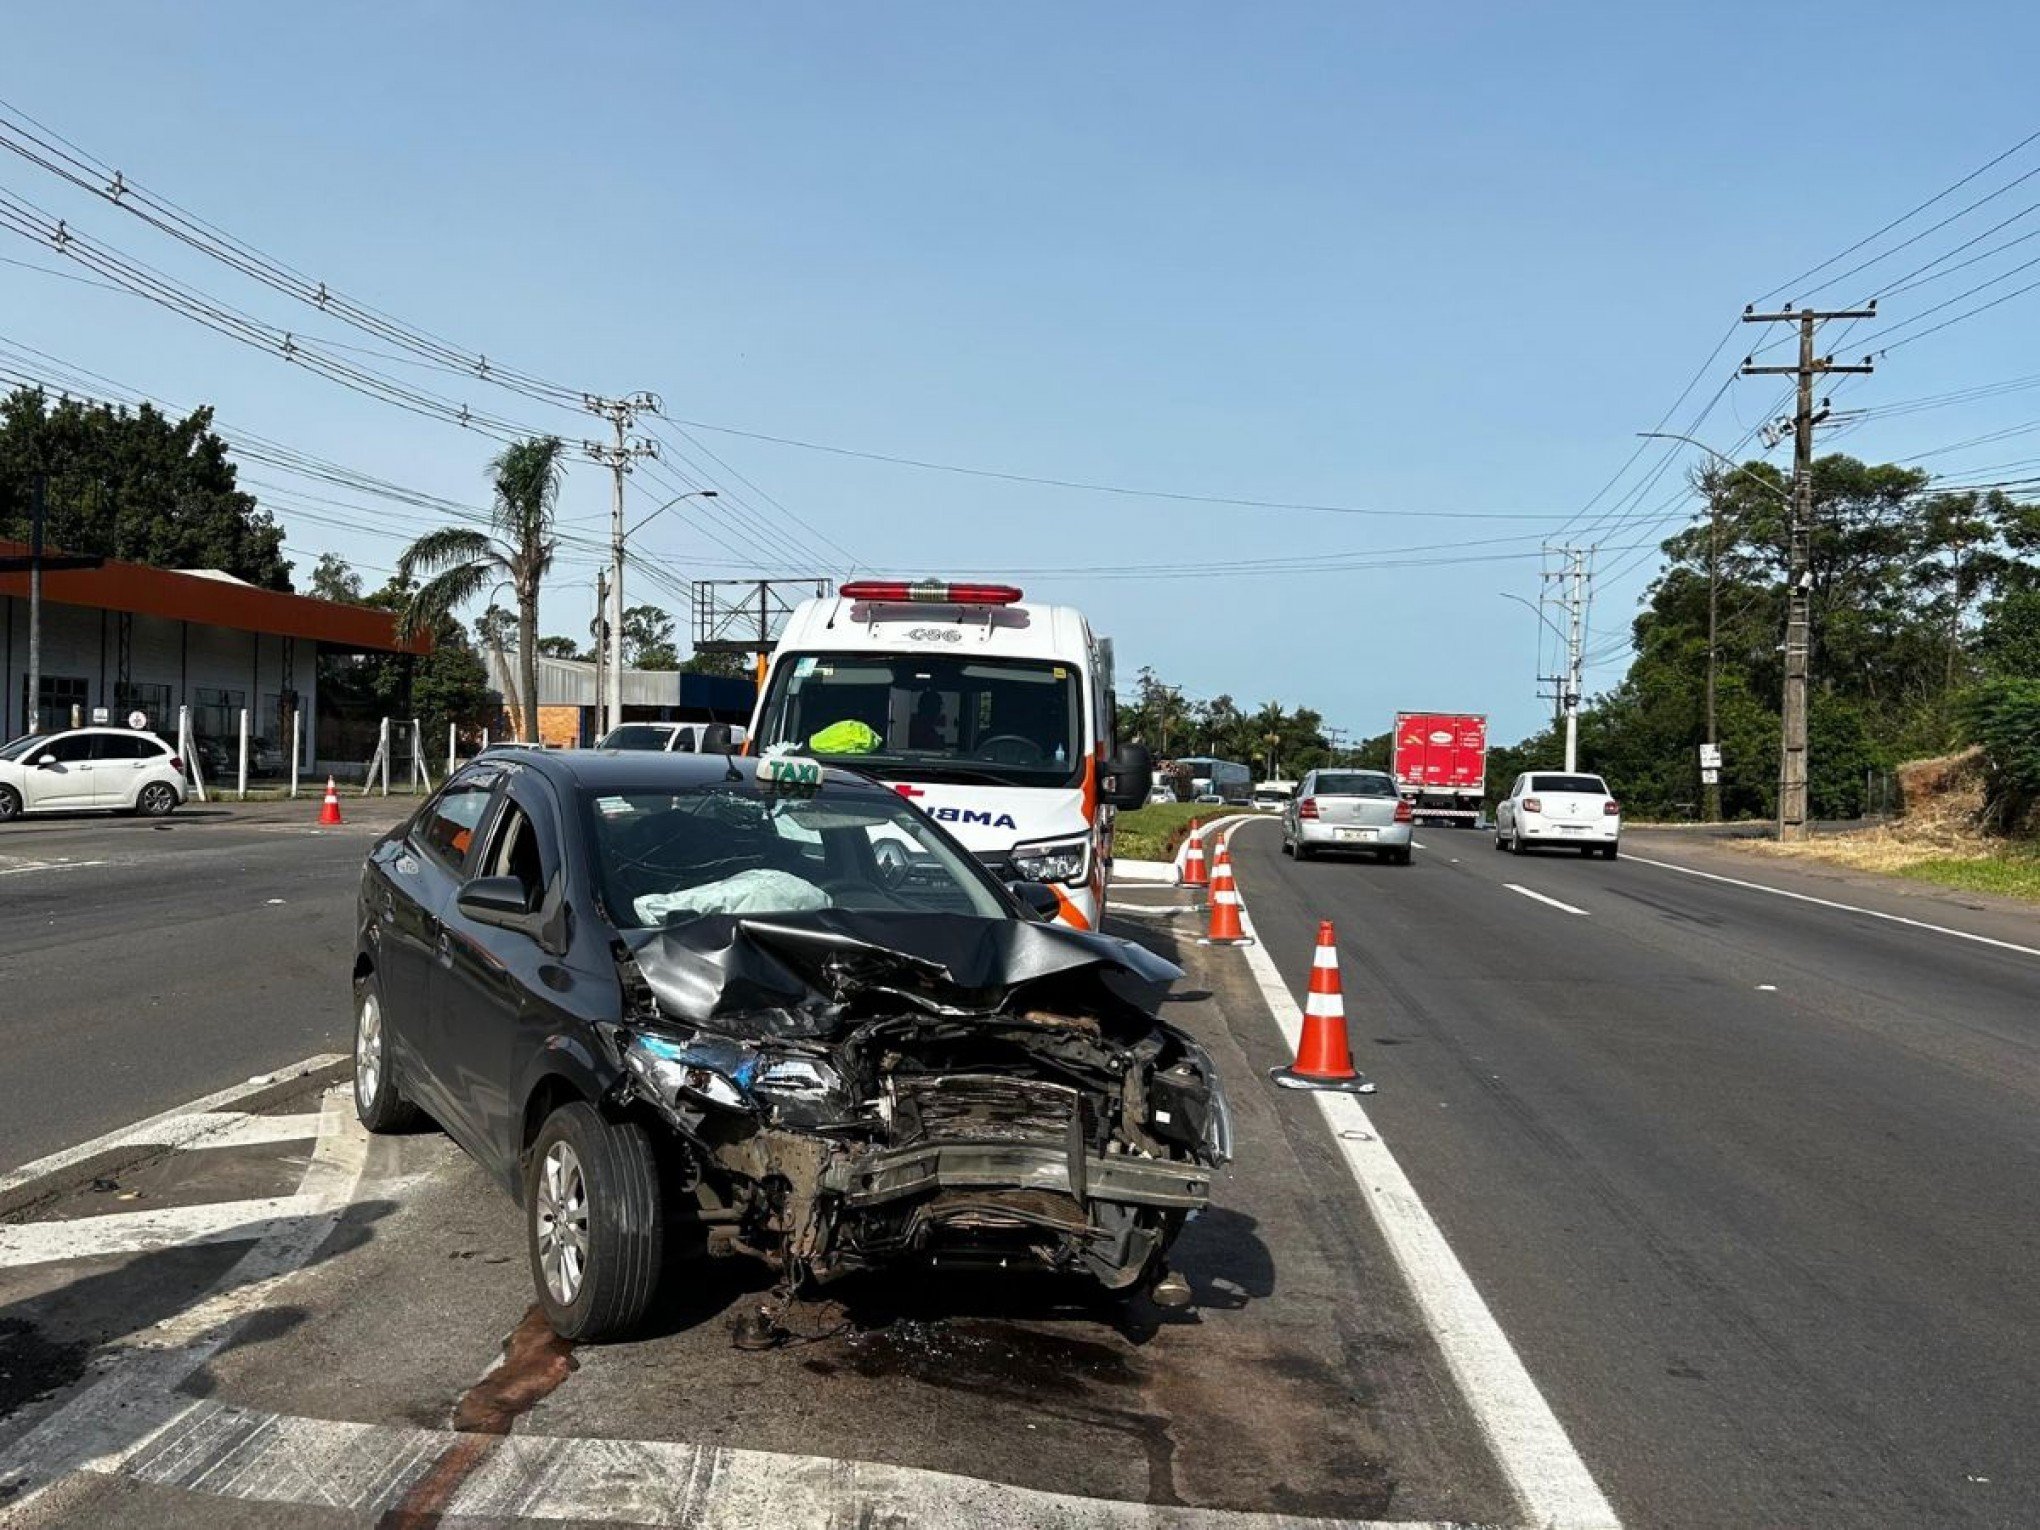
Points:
(681, 1005)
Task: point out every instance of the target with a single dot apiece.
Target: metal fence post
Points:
(296, 746)
(243, 778)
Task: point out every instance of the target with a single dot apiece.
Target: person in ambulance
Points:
(994, 717)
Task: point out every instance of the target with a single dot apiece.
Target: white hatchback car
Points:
(1555, 808)
(112, 769)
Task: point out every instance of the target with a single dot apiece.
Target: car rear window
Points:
(636, 736)
(1353, 783)
(1593, 786)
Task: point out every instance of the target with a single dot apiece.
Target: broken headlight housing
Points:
(702, 1070)
(1052, 860)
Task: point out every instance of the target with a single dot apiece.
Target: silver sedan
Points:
(1347, 810)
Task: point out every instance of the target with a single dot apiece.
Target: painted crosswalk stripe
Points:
(141, 1232)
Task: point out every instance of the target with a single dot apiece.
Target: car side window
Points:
(683, 741)
(447, 831)
(112, 746)
(68, 751)
(514, 851)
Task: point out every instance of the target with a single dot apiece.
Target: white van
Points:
(995, 717)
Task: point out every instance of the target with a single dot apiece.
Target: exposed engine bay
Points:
(859, 1089)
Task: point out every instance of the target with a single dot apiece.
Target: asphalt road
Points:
(144, 963)
(1752, 1183)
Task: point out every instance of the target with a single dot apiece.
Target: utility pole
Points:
(1792, 766)
(1572, 579)
(619, 456)
(1711, 790)
(37, 513)
(600, 633)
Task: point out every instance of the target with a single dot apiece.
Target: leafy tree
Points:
(463, 562)
(647, 638)
(559, 648)
(136, 485)
(334, 579)
(729, 666)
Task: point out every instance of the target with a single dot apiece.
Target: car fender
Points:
(567, 1060)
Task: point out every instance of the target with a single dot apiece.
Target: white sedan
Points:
(1549, 808)
(111, 769)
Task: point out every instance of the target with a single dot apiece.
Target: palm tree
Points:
(462, 562)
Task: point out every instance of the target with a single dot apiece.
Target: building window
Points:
(154, 700)
(216, 714)
(59, 694)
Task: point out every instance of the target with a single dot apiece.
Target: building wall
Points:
(214, 670)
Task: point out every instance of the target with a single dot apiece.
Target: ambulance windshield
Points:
(1004, 722)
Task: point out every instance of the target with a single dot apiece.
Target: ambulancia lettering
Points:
(973, 815)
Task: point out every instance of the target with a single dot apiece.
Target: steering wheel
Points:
(893, 862)
(1009, 749)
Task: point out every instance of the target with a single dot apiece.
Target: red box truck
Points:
(1440, 765)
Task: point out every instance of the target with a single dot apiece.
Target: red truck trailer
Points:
(1440, 765)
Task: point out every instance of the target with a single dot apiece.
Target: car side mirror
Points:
(716, 739)
(1038, 898)
(1129, 777)
(46, 762)
(500, 901)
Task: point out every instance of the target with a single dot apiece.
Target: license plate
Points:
(1357, 833)
(1572, 828)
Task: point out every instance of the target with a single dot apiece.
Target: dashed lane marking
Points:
(1553, 1486)
(1518, 887)
(1847, 908)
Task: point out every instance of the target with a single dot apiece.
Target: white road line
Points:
(113, 1419)
(258, 1457)
(142, 1232)
(16, 871)
(1847, 908)
(1518, 887)
(171, 1128)
(1552, 1484)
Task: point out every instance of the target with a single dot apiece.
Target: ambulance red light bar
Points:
(931, 592)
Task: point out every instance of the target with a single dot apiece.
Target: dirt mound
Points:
(1943, 818)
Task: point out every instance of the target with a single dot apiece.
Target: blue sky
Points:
(1437, 263)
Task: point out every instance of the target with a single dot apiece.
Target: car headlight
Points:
(1052, 860)
(798, 1078)
(705, 1069)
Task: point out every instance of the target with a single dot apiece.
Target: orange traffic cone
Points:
(1323, 1058)
(1225, 905)
(330, 813)
(1193, 859)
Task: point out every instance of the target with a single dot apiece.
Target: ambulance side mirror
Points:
(1129, 776)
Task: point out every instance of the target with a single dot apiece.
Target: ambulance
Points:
(994, 716)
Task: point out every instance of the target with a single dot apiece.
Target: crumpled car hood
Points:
(814, 974)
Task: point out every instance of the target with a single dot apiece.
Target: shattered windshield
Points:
(728, 848)
(930, 716)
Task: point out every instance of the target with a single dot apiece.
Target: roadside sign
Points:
(138, 720)
(1710, 775)
(101, 715)
(1710, 756)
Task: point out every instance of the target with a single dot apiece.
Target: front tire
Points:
(378, 1103)
(10, 804)
(595, 1223)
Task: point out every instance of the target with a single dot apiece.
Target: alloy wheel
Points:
(368, 1050)
(562, 1216)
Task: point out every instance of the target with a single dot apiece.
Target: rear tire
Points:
(1609, 852)
(379, 1103)
(1400, 857)
(595, 1223)
(1303, 851)
(156, 800)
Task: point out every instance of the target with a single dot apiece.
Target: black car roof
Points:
(642, 769)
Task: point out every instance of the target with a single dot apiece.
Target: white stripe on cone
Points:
(1327, 1005)
(1327, 956)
